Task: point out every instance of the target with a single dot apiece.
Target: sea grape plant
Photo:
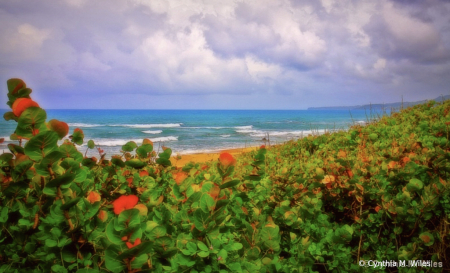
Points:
(321, 203)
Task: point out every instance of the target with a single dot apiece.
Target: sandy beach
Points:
(207, 157)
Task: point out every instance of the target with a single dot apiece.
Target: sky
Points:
(227, 54)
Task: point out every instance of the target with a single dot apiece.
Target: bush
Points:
(378, 192)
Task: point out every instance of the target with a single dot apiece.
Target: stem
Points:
(360, 238)
(66, 213)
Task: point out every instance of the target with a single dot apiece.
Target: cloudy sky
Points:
(227, 54)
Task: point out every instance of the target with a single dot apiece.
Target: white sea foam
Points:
(119, 142)
(247, 127)
(249, 131)
(259, 133)
(113, 142)
(207, 127)
(153, 132)
(85, 125)
(221, 127)
(164, 125)
(162, 139)
(225, 135)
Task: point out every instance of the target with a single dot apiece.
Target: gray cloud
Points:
(306, 52)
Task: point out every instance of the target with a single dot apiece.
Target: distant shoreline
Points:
(378, 106)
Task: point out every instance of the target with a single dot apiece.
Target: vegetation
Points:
(320, 204)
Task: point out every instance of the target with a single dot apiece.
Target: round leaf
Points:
(41, 145)
(31, 122)
(91, 144)
(60, 127)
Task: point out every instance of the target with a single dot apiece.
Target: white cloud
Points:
(379, 64)
(225, 47)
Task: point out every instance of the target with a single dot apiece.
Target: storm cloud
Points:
(264, 54)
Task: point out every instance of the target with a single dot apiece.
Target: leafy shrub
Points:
(322, 203)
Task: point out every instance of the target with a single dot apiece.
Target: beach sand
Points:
(207, 157)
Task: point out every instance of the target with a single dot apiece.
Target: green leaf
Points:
(70, 204)
(223, 254)
(10, 116)
(164, 162)
(427, 238)
(91, 144)
(203, 254)
(163, 243)
(201, 219)
(414, 185)
(31, 122)
(50, 191)
(112, 262)
(21, 169)
(144, 149)
(51, 158)
(118, 162)
(128, 218)
(272, 245)
(112, 234)
(156, 232)
(16, 149)
(14, 85)
(191, 247)
(135, 163)
(193, 198)
(41, 145)
(269, 233)
(237, 246)
(373, 136)
(77, 136)
(129, 146)
(59, 269)
(69, 150)
(207, 203)
(87, 270)
(138, 261)
(63, 180)
(6, 157)
(24, 93)
(88, 162)
(4, 215)
(50, 243)
(202, 246)
(166, 154)
(253, 253)
(230, 184)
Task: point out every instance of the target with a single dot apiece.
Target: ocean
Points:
(195, 131)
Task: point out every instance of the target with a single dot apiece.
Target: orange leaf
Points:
(124, 202)
(214, 192)
(226, 160)
(60, 127)
(180, 177)
(102, 215)
(136, 243)
(143, 210)
(93, 197)
(21, 104)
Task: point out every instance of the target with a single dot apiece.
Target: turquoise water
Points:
(191, 131)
